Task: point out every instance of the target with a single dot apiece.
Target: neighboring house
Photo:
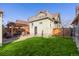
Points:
(43, 23)
(24, 25)
(1, 17)
(19, 27)
(75, 23)
(3, 30)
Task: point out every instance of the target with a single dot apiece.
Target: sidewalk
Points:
(5, 40)
(23, 38)
(16, 39)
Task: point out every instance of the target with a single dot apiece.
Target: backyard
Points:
(41, 46)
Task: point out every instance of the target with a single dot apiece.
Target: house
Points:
(24, 25)
(75, 23)
(1, 17)
(76, 20)
(43, 23)
(19, 27)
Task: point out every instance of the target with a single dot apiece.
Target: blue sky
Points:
(23, 11)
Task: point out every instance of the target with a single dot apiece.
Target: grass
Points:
(39, 46)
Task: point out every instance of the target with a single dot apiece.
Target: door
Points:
(35, 30)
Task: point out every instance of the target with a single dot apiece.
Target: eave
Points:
(41, 19)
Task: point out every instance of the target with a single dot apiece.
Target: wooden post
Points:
(12, 30)
(63, 31)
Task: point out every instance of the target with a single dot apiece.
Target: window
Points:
(50, 24)
(32, 24)
(53, 18)
(0, 15)
(55, 22)
(40, 22)
(35, 30)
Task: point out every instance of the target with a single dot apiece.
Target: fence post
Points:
(70, 31)
(63, 31)
(74, 31)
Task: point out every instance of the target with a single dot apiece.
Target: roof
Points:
(42, 15)
(18, 23)
(55, 15)
(21, 22)
(76, 20)
(77, 7)
(1, 11)
(11, 23)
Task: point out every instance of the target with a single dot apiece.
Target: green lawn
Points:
(40, 46)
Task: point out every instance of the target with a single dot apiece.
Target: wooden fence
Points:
(76, 31)
(62, 31)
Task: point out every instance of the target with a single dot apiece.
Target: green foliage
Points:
(40, 46)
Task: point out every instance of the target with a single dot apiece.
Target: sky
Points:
(22, 11)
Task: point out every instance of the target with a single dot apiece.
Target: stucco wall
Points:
(45, 28)
(1, 30)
